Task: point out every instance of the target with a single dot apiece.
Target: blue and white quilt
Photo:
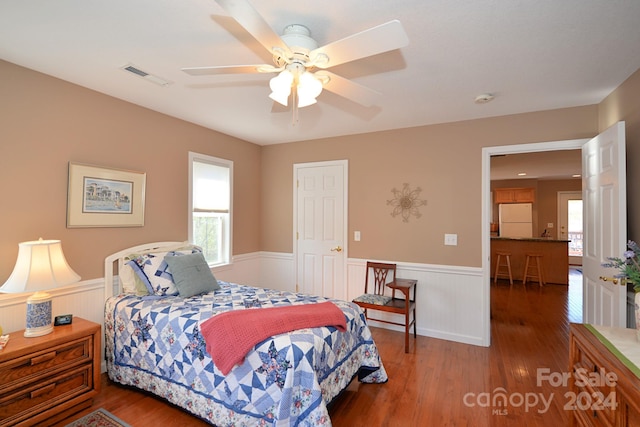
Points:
(154, 343)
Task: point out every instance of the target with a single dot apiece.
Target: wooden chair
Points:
(383, 276)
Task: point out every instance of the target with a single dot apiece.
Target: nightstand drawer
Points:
(14, 373)
(21, 404)
(594, 388)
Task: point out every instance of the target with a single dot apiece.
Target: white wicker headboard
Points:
(113, 263)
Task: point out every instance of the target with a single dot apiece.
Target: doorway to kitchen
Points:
(488, 152)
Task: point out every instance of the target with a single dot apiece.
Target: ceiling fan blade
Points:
(231, 69)
(383, 38)
(247, 16)
(348, 89)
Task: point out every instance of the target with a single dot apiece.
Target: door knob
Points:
(336, 249)
(609, 279)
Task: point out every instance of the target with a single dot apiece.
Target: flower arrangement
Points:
(629, 265)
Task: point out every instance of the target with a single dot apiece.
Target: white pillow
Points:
(153, 271)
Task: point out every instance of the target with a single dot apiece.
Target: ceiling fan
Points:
(295, 53)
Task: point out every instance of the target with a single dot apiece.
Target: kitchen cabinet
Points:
(514, 195)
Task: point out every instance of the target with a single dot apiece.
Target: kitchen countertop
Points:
(530, 239)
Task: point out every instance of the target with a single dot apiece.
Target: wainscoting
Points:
(451, 301)
(84, 299)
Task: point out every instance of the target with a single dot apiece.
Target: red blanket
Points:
(230, 335)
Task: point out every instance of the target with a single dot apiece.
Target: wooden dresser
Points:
(604, 383)
(45, 379)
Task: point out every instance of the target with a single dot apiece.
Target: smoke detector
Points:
(484, 98)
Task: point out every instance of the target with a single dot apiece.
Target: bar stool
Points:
(537, 269)
(507, 264)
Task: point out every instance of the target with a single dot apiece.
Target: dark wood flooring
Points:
(439, 383)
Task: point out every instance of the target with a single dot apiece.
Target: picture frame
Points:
(104, 197)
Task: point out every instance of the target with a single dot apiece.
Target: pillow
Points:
(191, 274)
(131, 283)
(129, 277)
(152, 270)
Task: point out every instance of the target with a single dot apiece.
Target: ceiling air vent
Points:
(150, 77)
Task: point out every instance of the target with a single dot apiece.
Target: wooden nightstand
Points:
(605, 380)
(45, 379)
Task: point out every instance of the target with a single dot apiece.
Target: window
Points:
(210, 205)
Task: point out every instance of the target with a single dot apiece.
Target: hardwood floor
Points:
(439, 383)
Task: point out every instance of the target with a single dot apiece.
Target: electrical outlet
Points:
(451, 239)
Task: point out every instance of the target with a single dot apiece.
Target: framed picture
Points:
(104, 197)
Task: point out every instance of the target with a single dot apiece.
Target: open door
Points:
(605, 221)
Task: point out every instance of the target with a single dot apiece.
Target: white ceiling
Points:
(545, 165)
(532, 55)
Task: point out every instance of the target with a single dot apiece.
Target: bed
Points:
(161, 340)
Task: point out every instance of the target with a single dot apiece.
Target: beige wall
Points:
(444, 160)
(548, 201)
(624, 104)
(45, 123)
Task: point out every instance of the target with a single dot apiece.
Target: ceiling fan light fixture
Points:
(305, 101)
(280, 98)
(309, 87)
(281, 87)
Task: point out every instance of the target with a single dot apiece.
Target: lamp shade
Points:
(309, 87)
(281, 87)
(41, 265)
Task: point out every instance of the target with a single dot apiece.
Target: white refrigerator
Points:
(515, 220)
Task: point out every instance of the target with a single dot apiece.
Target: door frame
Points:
(487, 152)
(345, 195)
(562, 197)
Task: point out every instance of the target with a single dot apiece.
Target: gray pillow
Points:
(191, 274)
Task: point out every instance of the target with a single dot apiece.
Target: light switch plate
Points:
(356, 236)
(451, 239)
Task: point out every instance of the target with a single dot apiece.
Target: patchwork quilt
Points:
(154, 343)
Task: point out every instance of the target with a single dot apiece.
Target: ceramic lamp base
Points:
(38, 315)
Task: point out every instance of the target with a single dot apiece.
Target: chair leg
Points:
(541, 281)
(499, 265)
(415, 336)
(406, 328)
(533, 258)
(526, 271)
(495, 275)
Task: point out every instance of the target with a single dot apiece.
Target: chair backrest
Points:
(381, 274)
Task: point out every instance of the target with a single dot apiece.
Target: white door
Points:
(605, 219)
(570, 223)
(320, 233)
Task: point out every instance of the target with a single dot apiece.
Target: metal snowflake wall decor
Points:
(405, 202)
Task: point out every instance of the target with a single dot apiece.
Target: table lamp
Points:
(40, 266)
